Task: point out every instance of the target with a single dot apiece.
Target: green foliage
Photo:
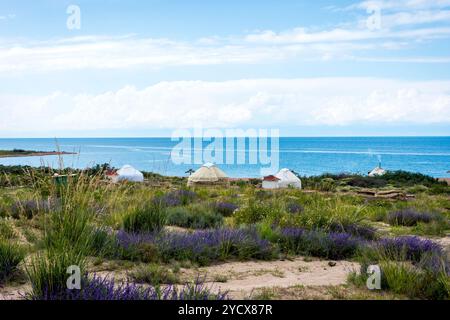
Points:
(146, 218)
(6, 230)
(47, 270)
(404, 278)
(255, 211)
(11, 255)
(153, 274)
(196, 216)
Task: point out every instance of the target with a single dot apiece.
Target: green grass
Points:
(196, 216)
(153, 274)
(11, 255)
(82, 226)
(149, 217)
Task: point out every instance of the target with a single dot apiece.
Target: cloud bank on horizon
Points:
(340, 70)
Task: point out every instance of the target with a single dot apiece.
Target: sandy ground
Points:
(242, 278)
(14, 292)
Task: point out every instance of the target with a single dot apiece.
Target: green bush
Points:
(153, 274)
(404, 278)
(6, 230)
(143, 252)
(255, 211)
(47, 271)
(194, 216)
(147, 218)
(10, 256)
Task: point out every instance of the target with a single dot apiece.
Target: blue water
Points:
(307, 156)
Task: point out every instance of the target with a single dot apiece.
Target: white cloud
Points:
(257, 103)
(401, 4)
(405, 25)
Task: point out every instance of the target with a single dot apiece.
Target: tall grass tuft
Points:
(68, 234)
(11, 255)
(150, 217)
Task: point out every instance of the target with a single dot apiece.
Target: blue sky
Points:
(148, 67)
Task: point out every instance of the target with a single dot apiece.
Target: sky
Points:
(110, 68)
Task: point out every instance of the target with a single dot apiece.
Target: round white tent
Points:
(288, 179)
(128, 173)
(207, 174)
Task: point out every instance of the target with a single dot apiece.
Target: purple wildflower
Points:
(408, 217)
(226, 208)
(294, 208)
(98, 288)
(203, 245)
(176, 198)
(318, 243)
(413, 247)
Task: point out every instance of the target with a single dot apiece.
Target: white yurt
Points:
(270, 182)
(376, 172)
(128, 173)
(288, 179)
(209, 173)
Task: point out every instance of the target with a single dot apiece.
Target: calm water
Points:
(307, 156)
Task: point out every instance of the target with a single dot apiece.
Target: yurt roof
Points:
(378, 171)
(207, 173)
(271, 178)
(286, 175)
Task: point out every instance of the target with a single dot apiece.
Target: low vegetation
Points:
(158, 224)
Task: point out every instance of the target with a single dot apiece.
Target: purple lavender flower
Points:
(98, 288)
(318, 243)
(363, 231)
(226, 208)
(294, 208)
(409, 217)
(176, 198)
(203, 245)
(414, 248)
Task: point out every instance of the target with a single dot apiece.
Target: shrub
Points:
(98, 288)
(10, 257)
(103, 242)
(6, 230)
(226, 209)
(294, 207)
(408, 217)
(203, 246)
(30, 208)
(256, 211)
(47, 271)
(416, 283)
(146, 218)
(358, 230)
(403, 248)
(196, 217)
(318, 243)
(367, 182)
(69, 229)
(176, 198)
(153, 274)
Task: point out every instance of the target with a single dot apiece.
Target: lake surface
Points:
(307, 156)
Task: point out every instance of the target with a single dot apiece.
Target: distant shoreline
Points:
(29, 153)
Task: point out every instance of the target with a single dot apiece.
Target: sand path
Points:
(242, 278)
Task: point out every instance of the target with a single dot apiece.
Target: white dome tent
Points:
(128, 173)
(285, 178)
(207, 174)
(377, 171)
